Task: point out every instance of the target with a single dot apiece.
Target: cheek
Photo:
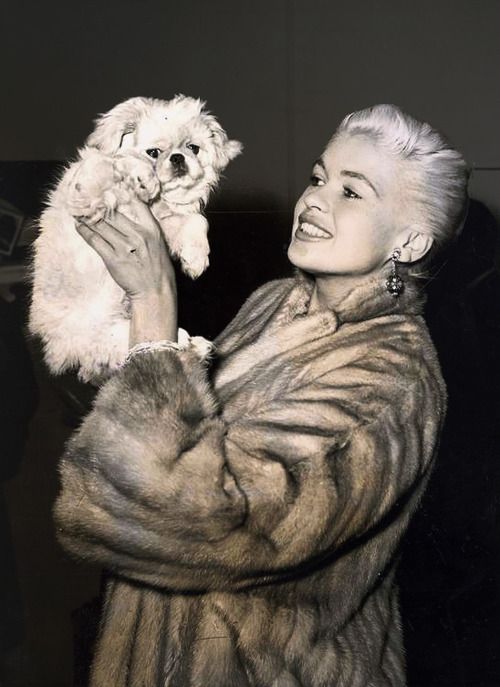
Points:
(196, 168)
(162, 168)
(385, 230)
(360, 220)
(358, 234)
(208, 160)
(351, 224)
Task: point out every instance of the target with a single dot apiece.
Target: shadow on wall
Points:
(19, 401)
(451, 561)
(451, 558)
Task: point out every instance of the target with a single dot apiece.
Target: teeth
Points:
(312, 230)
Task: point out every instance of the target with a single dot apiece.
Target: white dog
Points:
(167, 153)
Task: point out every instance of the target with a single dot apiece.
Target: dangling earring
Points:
(395, 285)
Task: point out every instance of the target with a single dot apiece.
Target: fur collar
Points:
(365, 301)
(275, 320)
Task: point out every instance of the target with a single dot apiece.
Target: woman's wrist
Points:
(165, 287)
(153, 316)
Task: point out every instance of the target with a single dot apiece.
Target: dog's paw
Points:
(183, 338)
(194, 259)
(140, 176)
(92, 190)
(201, 346)
(82, 206)
(92, 210)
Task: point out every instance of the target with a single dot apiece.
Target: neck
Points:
(330, 291)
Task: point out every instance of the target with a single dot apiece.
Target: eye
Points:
(315, 180)
(194, 148)
(153, 152)
(349, 193)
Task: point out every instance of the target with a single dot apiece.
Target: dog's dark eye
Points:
(194, 148)
(153, 152)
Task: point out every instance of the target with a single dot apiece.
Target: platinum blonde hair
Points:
(437, 175)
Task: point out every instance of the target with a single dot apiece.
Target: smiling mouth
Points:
(310, 232)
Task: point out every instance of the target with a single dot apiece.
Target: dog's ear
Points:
(225, 149)
(114, 129)
(233, 149)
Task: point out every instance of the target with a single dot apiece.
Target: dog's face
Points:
(186, 145)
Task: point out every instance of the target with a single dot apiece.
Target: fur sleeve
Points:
(156, 486)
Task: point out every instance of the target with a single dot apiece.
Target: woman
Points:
(252, 520)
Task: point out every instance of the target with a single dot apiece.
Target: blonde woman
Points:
(251, 516)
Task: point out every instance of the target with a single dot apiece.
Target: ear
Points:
(225, 150)
(233, 149)
(414, 244)
(114, 129)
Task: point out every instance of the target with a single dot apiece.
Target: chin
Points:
(304, 256)
(166, 153)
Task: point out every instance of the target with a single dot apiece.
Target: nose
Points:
(177, 159)
(317, 198)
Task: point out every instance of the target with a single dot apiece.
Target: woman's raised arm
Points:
(136, 256)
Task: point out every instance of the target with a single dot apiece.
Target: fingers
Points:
(122, 238)
(121, 241)
(137, 230)
(143, 215)
(123, 224)
(95, 240)
(134, 221)
(107, 239)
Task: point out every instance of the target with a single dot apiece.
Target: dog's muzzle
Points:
(178, 163)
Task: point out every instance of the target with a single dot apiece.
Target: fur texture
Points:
(168, 154)
(253, 523)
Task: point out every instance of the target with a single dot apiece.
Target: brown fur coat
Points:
(252, 522)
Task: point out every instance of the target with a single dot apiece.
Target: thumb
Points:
(142, 215)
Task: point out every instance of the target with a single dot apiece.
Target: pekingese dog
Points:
(168, 154)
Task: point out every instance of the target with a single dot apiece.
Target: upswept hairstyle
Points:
(438, 176)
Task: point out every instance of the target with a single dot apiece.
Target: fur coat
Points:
(251, 521)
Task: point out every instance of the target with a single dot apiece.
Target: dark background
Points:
(279, 75)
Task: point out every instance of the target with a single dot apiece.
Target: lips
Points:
(179, 171)
(310, 231)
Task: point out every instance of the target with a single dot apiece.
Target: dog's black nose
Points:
(177, 159)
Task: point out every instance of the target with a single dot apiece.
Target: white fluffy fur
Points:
(77, 309)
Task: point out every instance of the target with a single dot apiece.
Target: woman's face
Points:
(348, 219)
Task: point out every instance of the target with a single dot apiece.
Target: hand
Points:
(134, 251)
(137, 258)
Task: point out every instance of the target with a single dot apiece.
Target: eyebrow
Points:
(348, 173)
(361, 177)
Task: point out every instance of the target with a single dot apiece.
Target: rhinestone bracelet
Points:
(201, 346)
(147, 346)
